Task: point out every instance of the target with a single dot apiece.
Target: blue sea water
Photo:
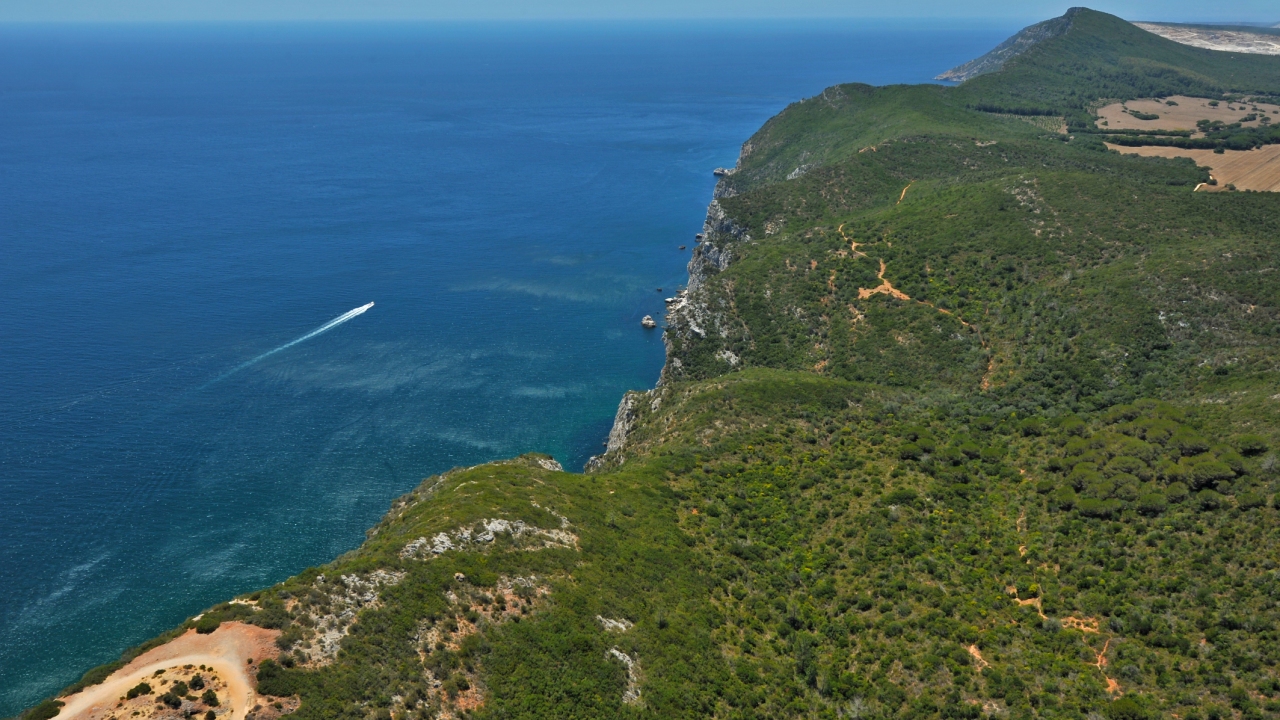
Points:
(176, 201)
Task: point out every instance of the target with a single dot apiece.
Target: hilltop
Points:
(963, 414)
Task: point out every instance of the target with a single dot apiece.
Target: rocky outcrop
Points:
(690, 317)
(623, 421)
(688, 314)
(485, 531)
(715, 252)
(1020, 43)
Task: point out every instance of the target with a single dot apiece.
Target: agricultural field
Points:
(1135, 114)
(1242, 169)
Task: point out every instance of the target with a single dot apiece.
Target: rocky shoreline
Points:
(688, 314)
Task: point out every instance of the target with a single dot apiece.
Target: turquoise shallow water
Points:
(177, 201)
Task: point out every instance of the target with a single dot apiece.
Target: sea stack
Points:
(648, 322)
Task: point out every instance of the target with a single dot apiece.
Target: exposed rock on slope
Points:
(1026, 39)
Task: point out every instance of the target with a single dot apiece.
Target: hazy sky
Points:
(257, 10)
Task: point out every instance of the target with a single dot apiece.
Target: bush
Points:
(1128, 465)
(94, 676)
(1172, 472)
(910, 451)
(171, 700)
(1210, 473)
(139, 689)
(196, 682)
(43, 711)
(1177, 492)
(1188, 443)
(1247, 500)
(901, 496)
(275, 680)
(1032, 427)
(1073, 425)
(1251, 444)
(1126, 708)
(1104, 509)
(1064, 498)
(210, 697)
(1152, 504)
(1208, 500)
(208, 624)
(1081, 478)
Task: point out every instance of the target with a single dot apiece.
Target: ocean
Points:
(180, 203)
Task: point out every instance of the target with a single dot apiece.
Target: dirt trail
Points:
(853, 244)
(979, 662)
(225, 651)
(885, 287)
(1112, 685)
(904, 191)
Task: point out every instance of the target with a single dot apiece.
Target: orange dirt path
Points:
(853, 244)
(979, 661)
(1112, 685)
(884, 287)
(225, 650)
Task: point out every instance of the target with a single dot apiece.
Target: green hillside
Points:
(962, 417)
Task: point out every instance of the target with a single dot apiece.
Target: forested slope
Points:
(962, 416)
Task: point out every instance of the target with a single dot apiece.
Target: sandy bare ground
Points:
(1246, 169)
(225, 651)
(1182, 116)
(1257, 43)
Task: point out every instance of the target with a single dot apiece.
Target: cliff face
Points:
(687, 317)
(691, 315)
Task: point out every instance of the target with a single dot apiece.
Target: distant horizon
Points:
(923, 22)
(1239, 12)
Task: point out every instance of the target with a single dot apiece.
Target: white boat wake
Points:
(322, 329)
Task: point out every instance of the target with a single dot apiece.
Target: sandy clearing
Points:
(225, 650)
(1087, 624)
(1246, 169)
(1182, 116)
(1227, 40)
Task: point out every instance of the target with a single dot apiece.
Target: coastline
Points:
(688, 316)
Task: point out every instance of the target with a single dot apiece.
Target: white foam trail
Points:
(323, 328)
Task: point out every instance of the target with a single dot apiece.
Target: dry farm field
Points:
(1182, 116)
(1245, 169)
